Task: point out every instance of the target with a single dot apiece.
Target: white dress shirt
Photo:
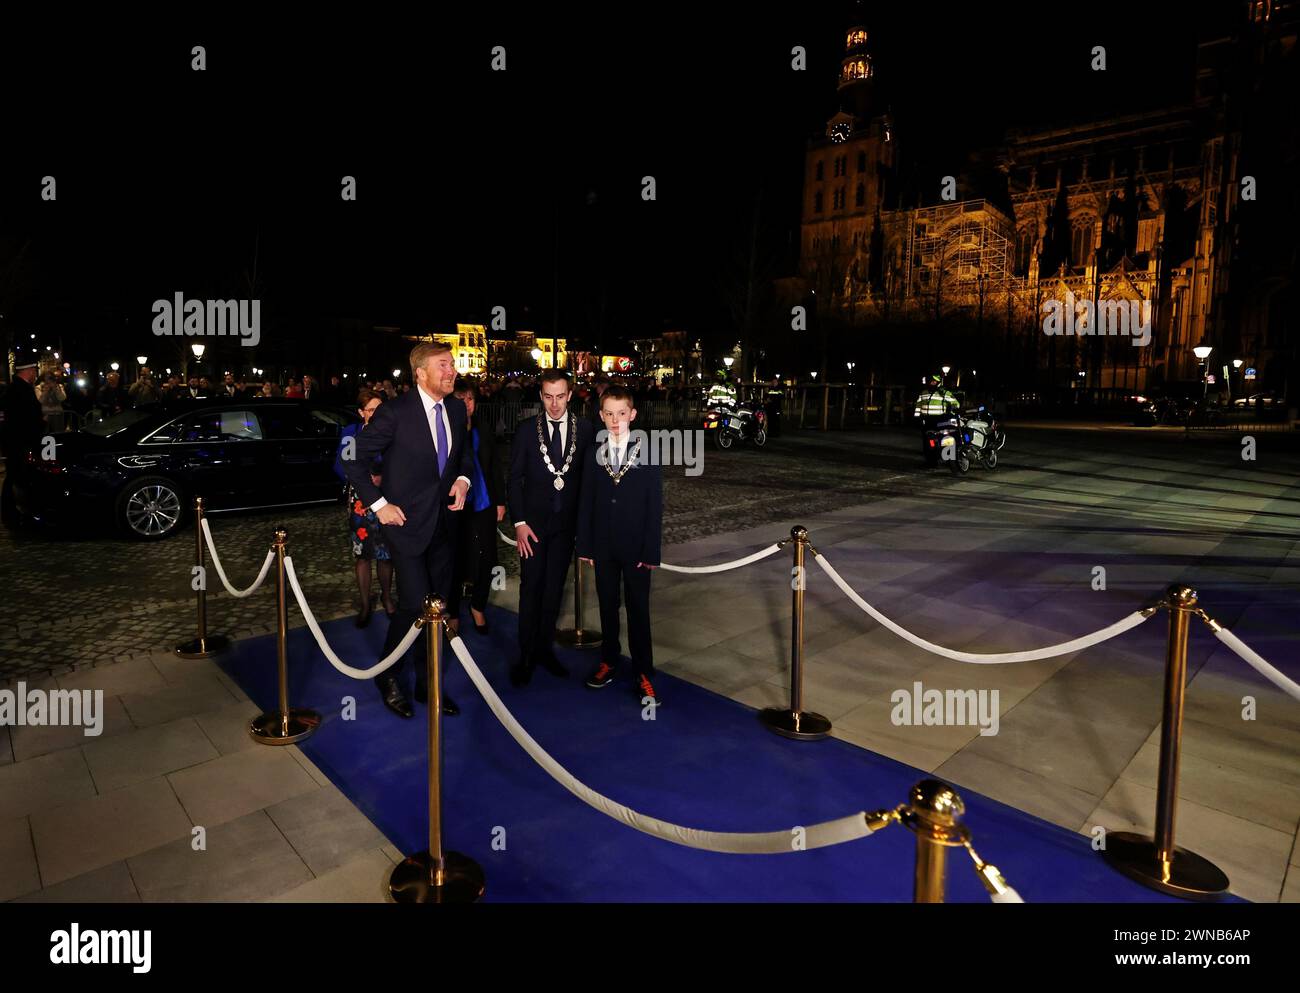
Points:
(428, 402)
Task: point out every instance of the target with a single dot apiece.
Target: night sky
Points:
(168, 178)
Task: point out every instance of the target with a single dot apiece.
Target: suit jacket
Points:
(623, 521)
(532, 487)
(399, 434)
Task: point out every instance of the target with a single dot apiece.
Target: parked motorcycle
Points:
(963, 440)
(740, 422)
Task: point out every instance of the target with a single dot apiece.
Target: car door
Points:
(304, 441)
(217, 453)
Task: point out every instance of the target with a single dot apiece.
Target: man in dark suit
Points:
(620, 526)
(545, 471)
(22, 429)
(428, 465)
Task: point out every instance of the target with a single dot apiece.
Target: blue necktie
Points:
(440, 432)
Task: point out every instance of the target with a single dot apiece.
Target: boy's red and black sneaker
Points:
(603, 676)
(647, 689)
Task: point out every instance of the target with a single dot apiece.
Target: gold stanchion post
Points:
(796, 722)
(1157, 862)
(932, 814)
(205, 645)
(435, 876)
(578, 636)
(286, 725)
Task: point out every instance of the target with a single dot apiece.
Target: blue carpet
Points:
(705, 762)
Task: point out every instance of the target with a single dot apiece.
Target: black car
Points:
(141, 469)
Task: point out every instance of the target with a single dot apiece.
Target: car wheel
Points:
(150, 508)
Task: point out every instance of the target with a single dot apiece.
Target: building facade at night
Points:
(1150, 213)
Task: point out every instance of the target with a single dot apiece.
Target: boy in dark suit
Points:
(619, 531)
(546, 461)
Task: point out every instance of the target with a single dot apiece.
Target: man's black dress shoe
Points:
(552, 665)
(395, 700)
(520, 674)
(449, 707)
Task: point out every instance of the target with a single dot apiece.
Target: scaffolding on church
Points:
(952, 246)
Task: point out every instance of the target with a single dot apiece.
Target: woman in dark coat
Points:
(363, 526)
(485, 506)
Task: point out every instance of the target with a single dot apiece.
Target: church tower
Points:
(848, 174)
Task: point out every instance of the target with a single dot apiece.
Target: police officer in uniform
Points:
(932, 407)
(21, 436)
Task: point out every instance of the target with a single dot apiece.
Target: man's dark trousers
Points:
(541, 594)
(417, 576)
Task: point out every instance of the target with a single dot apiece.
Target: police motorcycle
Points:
(730, 422)
(966, 438)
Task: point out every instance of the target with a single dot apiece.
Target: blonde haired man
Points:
(421, 437)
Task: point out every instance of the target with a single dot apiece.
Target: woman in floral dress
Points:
(363, 526)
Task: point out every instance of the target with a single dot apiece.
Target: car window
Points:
(117, 422)
(329, 422)
(209, 426)
(285, 422)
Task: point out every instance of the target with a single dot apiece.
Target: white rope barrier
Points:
(1051, 651)
(1256, 661)
(221, 573)
(691, 569)
(762, 843)
(722, 566)
(383, 664)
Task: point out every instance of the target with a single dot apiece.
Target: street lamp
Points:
(850, 365)
(814, 375)
(1202, 353)
(727, 361)
(397, 373)
(113, 366)
(141, 359)
(197, 349)
(1236, 363)
(537, 355)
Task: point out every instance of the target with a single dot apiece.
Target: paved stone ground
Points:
(94, 599)
(995, 562)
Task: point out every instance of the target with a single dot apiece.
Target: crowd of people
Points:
(61, 396)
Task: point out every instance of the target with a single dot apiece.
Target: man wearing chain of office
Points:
(546, 467)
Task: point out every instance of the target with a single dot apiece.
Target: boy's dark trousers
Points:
(611, 575)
